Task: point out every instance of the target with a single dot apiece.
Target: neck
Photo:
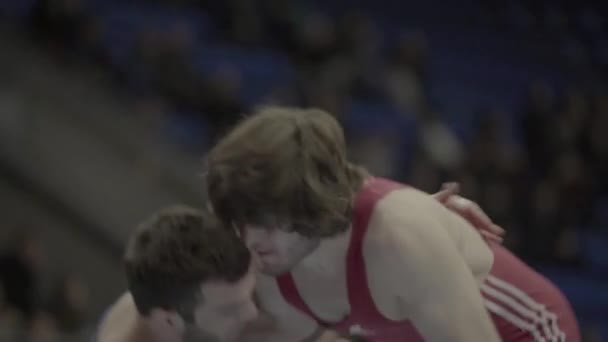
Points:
(142, 332)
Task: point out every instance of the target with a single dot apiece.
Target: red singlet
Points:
(524, 305)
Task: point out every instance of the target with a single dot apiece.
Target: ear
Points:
(175, 322)
(166, 323)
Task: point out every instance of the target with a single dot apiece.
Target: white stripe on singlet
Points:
(516, 307)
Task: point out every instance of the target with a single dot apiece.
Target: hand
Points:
(470, 211)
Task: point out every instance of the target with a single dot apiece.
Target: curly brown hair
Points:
(174, 252)
(284, 164)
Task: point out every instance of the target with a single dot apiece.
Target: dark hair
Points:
(174, 252)
(291, 163)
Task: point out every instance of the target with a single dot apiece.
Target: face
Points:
(277, 249)
(225, 310)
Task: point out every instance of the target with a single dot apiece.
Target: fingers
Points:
(497, 229)
(479, 218)
(447, 190)
(489, 237)
(451, 185)
(470, 211)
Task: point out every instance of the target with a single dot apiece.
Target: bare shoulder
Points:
(118, 321)
(401, 214)
(409, 224)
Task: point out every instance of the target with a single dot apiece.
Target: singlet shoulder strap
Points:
(290, 293)
(358, 291)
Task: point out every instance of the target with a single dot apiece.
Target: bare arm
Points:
(436, 288)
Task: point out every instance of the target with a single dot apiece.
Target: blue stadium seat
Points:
(122, 23)
(157, 16)
(93, 6)
(601, 213)
(190, 130)
(587, 292)
(262, 70)
(377, 118)
(17, 9)
(594, 251)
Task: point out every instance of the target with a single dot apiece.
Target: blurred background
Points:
(107, 108)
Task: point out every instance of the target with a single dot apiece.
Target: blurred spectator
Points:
(440, 143)
(595, 143)
(161, 59)
(361, 44)
(19, 267)
(540, 238)
(405, 78)
(572, 179)
(490, 150)
(498, 197)
(61, 23)
(424, 175)
(43, 328)
(497, 167)
(315, 39)
(10, 320)
(220, 92)
(569, 122)
(164, 63)
(539, 112)
(246, 23)
(239, 21)
(379, 152)
(328, 87)
(69, 304)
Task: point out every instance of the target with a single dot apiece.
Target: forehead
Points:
(222, 292)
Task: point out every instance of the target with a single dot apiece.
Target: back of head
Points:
(174, 252)
(285, 161)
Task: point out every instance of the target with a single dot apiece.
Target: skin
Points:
(124, 324)
(410, 256)
(226, 309)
